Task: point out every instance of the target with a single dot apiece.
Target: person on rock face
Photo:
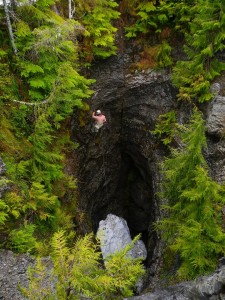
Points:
(99, 118)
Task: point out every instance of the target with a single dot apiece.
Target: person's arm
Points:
(94, 116)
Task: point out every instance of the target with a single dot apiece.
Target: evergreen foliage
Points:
(78, 273)
(3, 212)
(193, 225)
(23, 240)
(47, 78)
(166, 127)
(204, 42)
(8, 88)
(39, 285)
(201, 26)
(165, 20)
(99, 35)
(164, 58)
(45, 74)
(158, 16)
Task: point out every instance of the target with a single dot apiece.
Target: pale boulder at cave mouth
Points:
(114, 236)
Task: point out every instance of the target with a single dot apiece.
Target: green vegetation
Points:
(99, 31)
(41, 86)
(204, 43)
(192, 226)
(42, 53)
(199, 25)
(80, 273)
(166, 127)
(44, 50)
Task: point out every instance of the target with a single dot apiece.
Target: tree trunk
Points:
(9, 25)
(71, 10)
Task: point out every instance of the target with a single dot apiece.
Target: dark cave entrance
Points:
(117, 177)
(134, 194)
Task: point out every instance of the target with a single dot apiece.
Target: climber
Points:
(99, 118)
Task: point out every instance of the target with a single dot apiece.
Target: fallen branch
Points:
(32, 104)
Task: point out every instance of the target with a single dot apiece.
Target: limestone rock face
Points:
(205, 288)
(114, 235)
(215, 124)
(13, 271)
(216, 116)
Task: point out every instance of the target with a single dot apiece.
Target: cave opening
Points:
(134, 193)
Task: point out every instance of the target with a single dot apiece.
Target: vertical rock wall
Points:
(119, 166)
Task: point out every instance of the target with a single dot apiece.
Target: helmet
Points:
(98, 112)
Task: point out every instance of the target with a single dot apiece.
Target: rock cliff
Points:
(119, 166)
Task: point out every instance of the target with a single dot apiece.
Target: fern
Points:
(3, 212)
(41, 202)
(100, 33)
(15, 204)
(8, 88)
(45, 78)
(80, 274)
(39, 287)
(122, 263)
(22, 239)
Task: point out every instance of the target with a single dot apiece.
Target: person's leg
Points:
(96, 128)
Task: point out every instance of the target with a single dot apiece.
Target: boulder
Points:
(114, 235)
